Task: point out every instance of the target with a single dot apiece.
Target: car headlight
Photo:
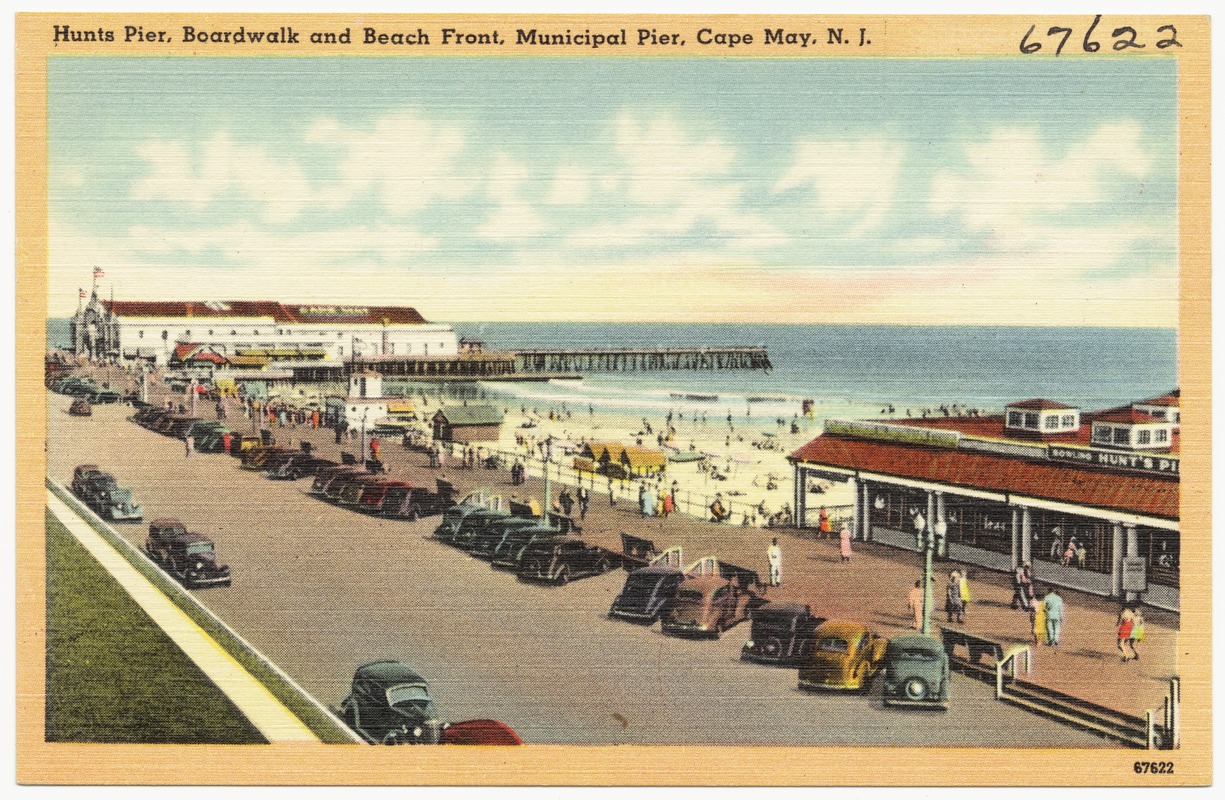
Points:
(749, 643)
(417, 732)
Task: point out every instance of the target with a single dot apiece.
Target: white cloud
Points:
(571, 187)
(222, 170)
(1011, 178)
(514, 217)
(671, 183)
(408, 160)
(856, 179)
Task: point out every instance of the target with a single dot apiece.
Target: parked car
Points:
(80, 408)
(326, 477)
(118, 505)
(80, 474)
(509, 555)
(298, 465)
(410, 503)
(96, 486)
(845, 655)
(255, 458)
(103, 397)
(189, 557)
(479, 731)
(782, 634)
(485, 542)
(560, 561)
(916, 672)
(707, 605)
(470, 526)
(389, 703)
(648, 589)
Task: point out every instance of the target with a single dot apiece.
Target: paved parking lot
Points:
(320, 590)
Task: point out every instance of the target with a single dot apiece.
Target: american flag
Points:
(98, 273)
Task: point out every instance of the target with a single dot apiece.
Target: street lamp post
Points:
(363, 449)
(546, 457)
(929, 537)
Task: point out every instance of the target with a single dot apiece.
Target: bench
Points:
(976, 646)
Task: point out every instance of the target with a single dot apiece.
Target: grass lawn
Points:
(112, 675)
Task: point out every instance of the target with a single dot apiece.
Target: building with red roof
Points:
(158, 330)
(1090, 500)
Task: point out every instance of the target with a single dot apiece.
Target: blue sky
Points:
(911, 191)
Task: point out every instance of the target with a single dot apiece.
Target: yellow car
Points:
(845, 656)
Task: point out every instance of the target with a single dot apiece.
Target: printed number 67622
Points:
(1154, 767)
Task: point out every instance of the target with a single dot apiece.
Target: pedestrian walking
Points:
(612, 498)
(1054, 616)
(189, 444)
(374, 447)
(668, 505)
(774, 557)
(1020, 597)
(1037, 618)
(954, 606)
(844, 546)
(823, 523)
(643, 509)
(566, 501)
(1137, 631)
(1126, 623)
(914, 601)
(584, 500)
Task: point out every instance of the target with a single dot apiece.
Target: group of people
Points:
(653, 501)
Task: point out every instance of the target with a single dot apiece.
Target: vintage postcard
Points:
(613, 399)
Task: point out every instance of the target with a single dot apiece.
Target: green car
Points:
(916, 672)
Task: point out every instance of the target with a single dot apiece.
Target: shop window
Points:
(1031, 420)
(1161, 435)
(1122, 436)
(1103, 434)
(1068, 421)
(1142, 437)
(1051, 422)
(1015, 419)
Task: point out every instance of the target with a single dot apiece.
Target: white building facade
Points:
(152, 330)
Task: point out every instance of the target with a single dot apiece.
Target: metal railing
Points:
(1013, 656)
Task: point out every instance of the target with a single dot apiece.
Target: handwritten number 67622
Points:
(1125, 38)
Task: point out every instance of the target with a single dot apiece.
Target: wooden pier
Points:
(641, 359)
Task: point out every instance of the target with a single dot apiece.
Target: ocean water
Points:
(855, 369)
(845, 369)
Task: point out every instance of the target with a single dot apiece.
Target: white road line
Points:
(252, 698)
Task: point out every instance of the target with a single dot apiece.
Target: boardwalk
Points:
(641, 359)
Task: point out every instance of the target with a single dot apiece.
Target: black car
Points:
(563, 560)
(467, 527)
(509, 554)
(189, 557)
(97, 487)
(646, 593)
(782, 634)
(389, 703)
(485, 542)
(298, 465)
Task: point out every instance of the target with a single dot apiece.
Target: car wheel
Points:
(603, 567)
(392, 737)
(414, 513)
(172, 566)
(563, 577)
(916, 689)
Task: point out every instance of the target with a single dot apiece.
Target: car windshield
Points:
(196, 548)
(915, 654)
(832, 644)
(410, 694)
(692, 595)
(121, 495)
